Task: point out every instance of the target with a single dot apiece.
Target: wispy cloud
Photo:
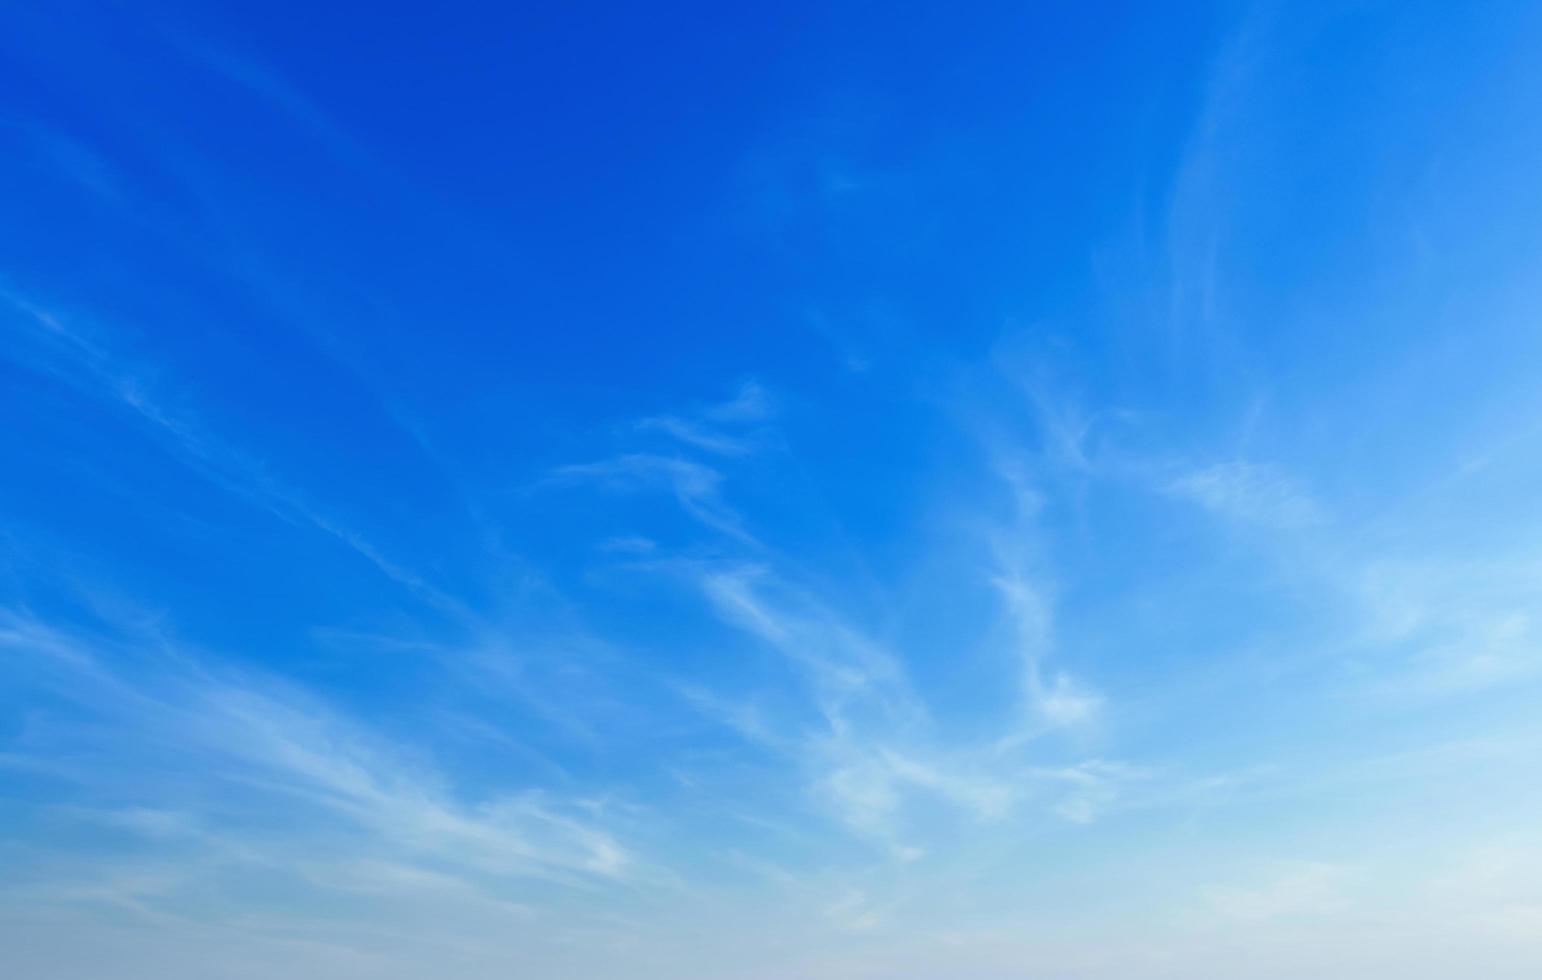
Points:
(85, 361)
(1253, 493)
(696, 436)
(878, 751)
(731, 428)
(1051, 697)
(1430, 628)
(277, 749)
(695, 486)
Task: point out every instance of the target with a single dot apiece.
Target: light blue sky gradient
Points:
(830, 491)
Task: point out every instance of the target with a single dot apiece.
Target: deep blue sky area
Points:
(838, 490)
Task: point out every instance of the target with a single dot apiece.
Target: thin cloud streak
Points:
(89, 366)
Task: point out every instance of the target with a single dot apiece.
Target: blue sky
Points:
(828, 491)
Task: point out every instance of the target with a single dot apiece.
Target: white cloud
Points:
(697, 436)
(87, 364)
(1051, 700)
(731, 428)
(695, 486)
(279, 749)
(1252, 493)
(750, 404)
